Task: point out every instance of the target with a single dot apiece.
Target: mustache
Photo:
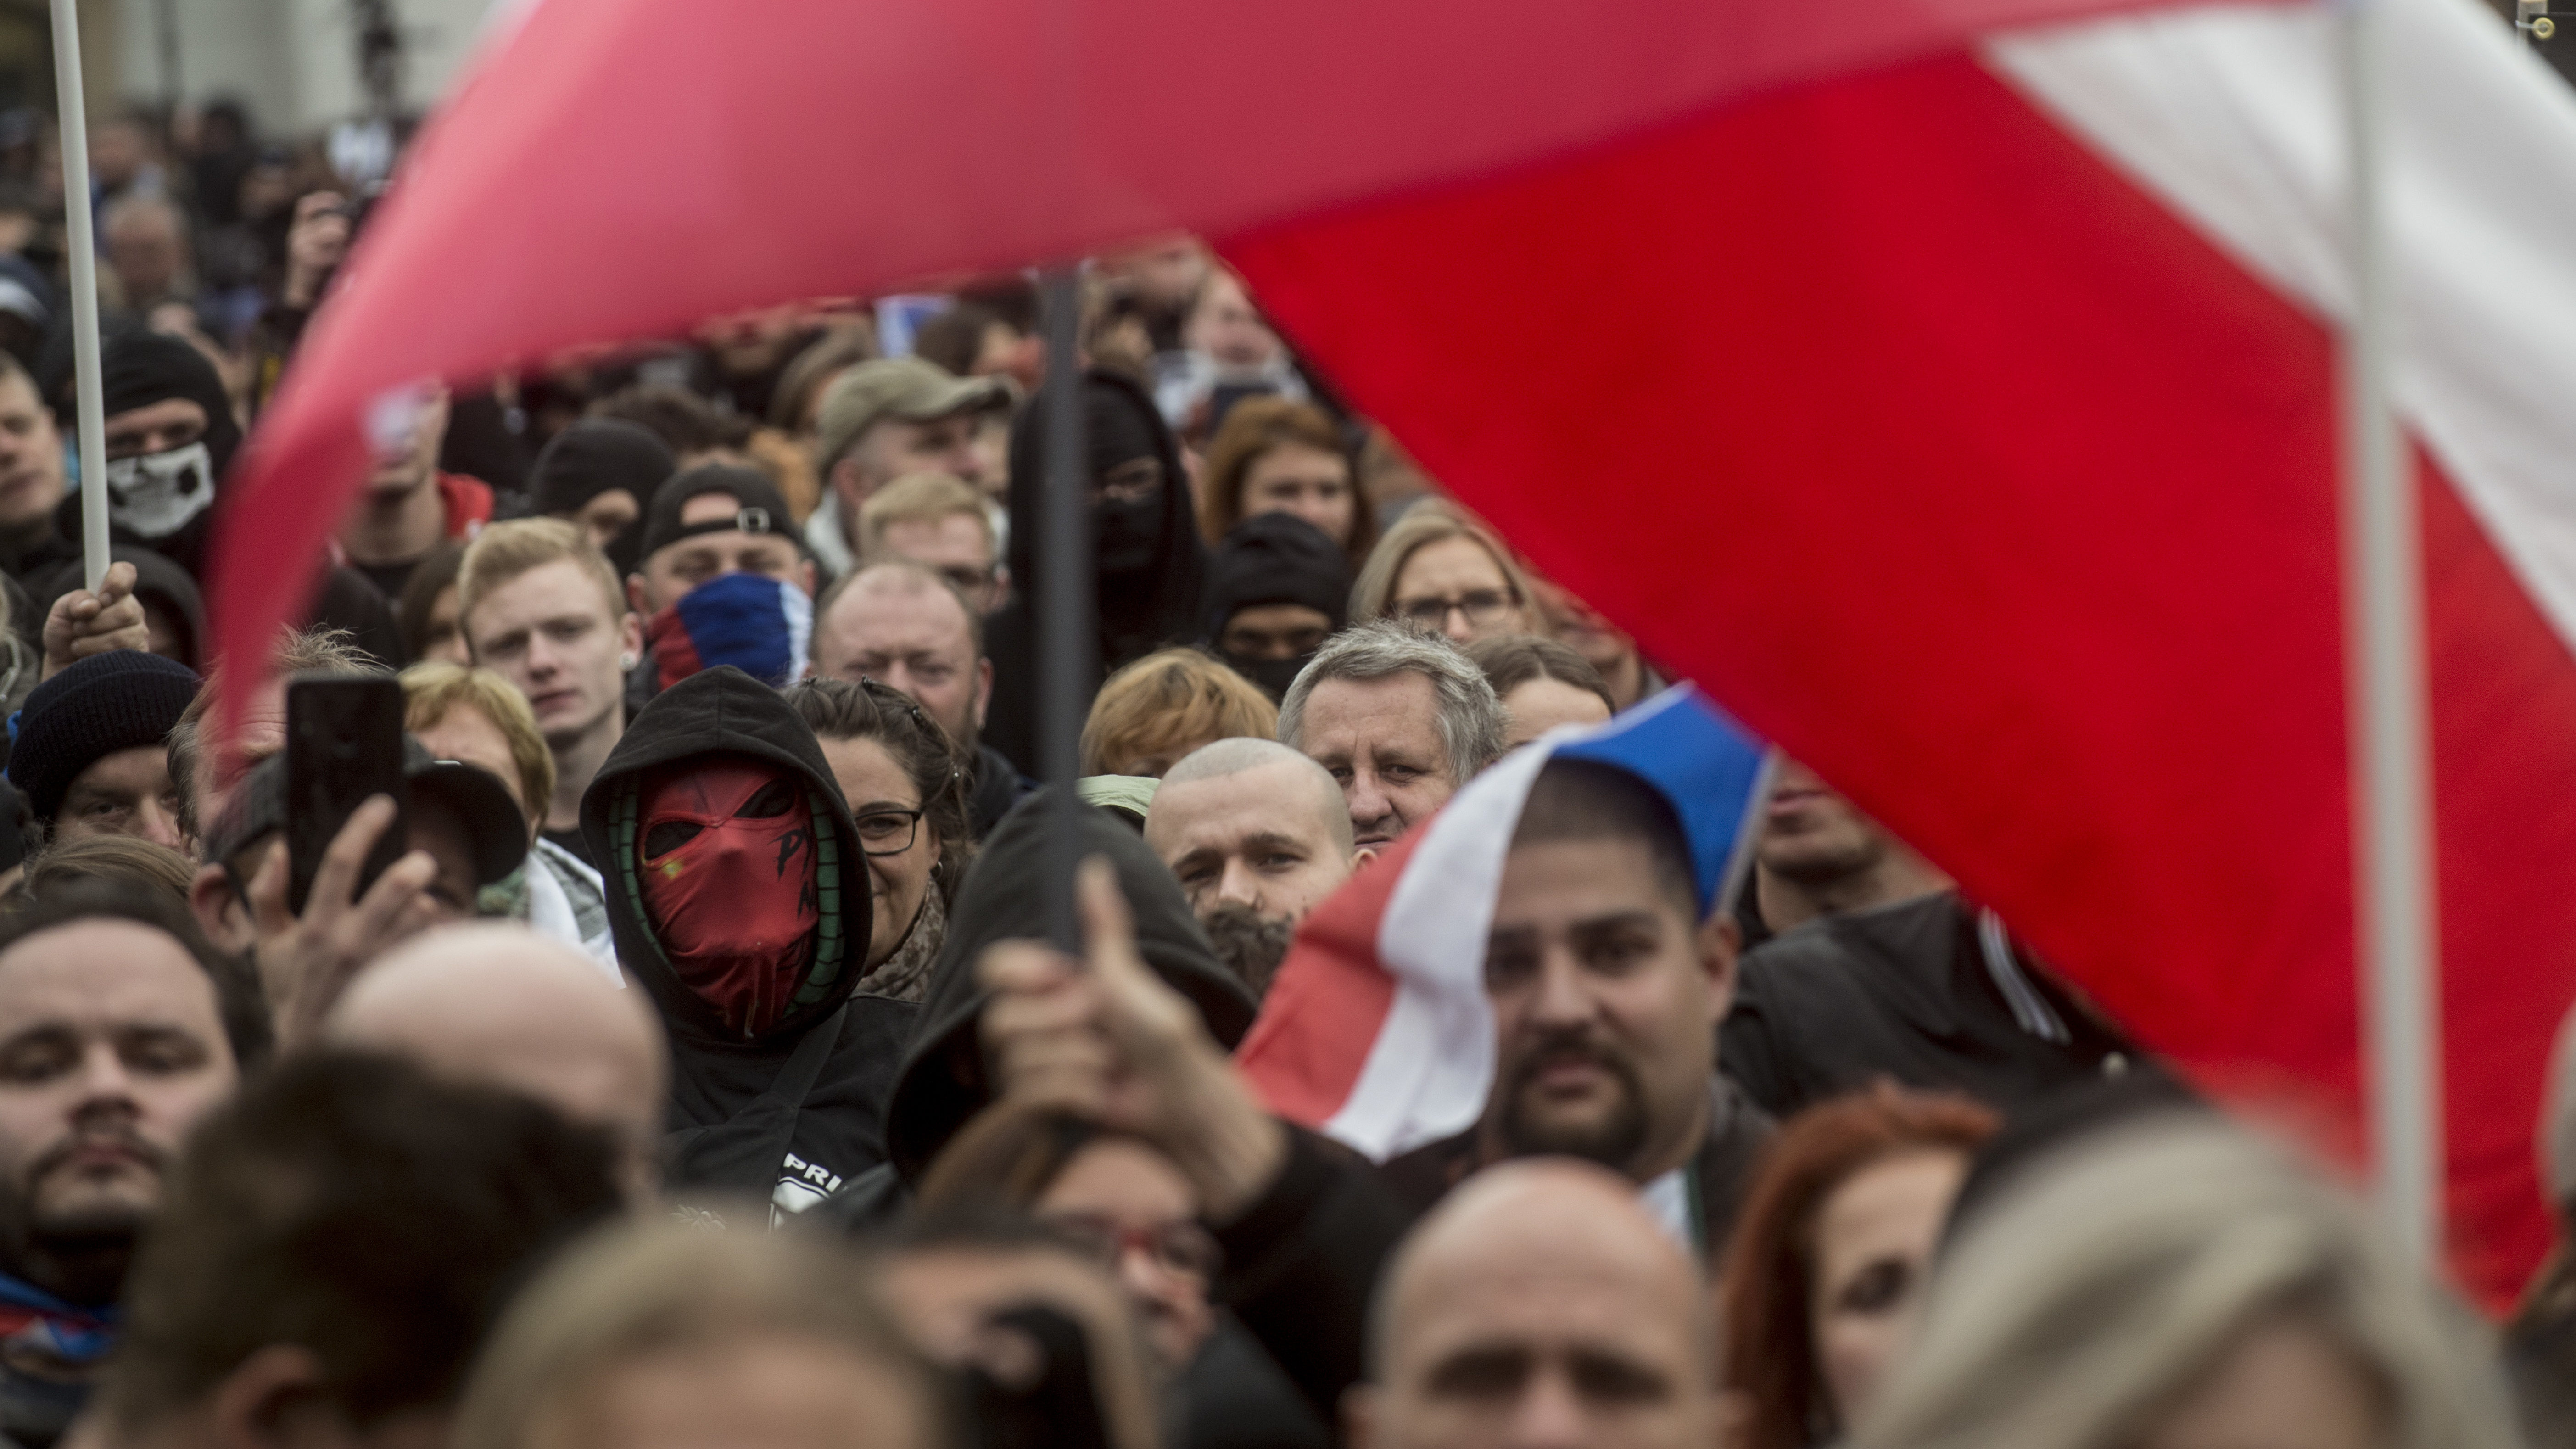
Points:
(120, 1136)
(1575, 1044)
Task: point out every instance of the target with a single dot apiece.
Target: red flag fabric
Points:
(1950, 397)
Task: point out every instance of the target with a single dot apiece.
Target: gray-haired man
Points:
(1401, 720)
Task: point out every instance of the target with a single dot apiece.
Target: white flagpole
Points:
(2395, 897)
(74, 120)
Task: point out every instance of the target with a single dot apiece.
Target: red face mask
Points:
(726, 860)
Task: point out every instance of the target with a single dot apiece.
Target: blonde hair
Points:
(655, 1286)
(503, 551)
(1169, 703)
(919, 498)
(434, 688)
(1425, 523)
(2076, 1307)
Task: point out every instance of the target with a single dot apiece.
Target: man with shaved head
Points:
(1258, 835)
(504, 1006)
(1539, 1307)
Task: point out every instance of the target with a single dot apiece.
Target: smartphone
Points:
(344, 742)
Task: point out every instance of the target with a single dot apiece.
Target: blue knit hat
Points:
(103, 704)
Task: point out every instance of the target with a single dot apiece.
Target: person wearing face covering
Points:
(1151, 563)
(1276, 588)
(738, 898)
(170, 436)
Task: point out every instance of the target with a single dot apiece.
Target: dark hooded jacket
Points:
(1141, 608)
(942, 1081)
(789, 1115)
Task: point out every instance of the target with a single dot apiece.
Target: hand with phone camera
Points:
(306, 960)
(82, 623)
(342, 886)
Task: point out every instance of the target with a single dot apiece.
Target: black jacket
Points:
(995, 787)
(942, 1080)
(1905, 992)
(1720, 1170)
(738, 1122)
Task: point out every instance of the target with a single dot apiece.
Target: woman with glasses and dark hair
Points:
(1440, 571)
(1120, 1198)
(905, 785)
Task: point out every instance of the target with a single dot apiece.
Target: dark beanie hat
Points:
(103, 704)
(138, 369)
(1276, 558)
(595, 455)
(759, 507)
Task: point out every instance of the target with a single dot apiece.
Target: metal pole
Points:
(92, 427)
(1068, 641)
(2394, 887)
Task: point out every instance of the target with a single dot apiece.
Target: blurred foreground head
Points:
(1046, 1347)
(1539, 1305)
(2179, 1284)
(684, 1338)
(331, 1249)
(504, 1006)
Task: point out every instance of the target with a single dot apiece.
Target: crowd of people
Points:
(696, 1075)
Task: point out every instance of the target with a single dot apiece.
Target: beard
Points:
(1612, 1139)
(1249, 943)
(78, 1252)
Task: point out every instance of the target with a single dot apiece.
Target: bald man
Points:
(1539, 1307)
(499, 1004)
(1258, 835)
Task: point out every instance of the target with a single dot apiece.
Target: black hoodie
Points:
(942, 1082)
(1140, 609)
(738, 1122)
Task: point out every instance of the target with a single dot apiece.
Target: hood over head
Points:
(714, 718)
(1152, 562)
(942, 1081)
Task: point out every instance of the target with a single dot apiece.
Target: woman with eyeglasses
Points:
(1442, 572)
(902, 779)
(1120, 1198)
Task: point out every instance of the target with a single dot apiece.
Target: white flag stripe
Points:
(2231, 116)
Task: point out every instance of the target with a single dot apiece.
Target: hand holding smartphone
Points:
(344, 743)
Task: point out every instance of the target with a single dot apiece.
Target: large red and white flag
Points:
(1946, 387)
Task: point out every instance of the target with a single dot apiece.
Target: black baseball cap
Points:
(758, 506)
(495, 830)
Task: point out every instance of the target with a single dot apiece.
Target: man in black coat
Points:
(739, 901)
(1880, 969)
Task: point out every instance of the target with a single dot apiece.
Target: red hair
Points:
(1770, 1337)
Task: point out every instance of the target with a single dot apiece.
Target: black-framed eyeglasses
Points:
(1483, 608)
(887, 831)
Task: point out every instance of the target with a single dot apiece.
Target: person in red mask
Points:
(738, 899)
(728, 878)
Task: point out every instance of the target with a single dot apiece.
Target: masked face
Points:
(727, 864)
(1273, 675)
(157, 494)
(1127, 483)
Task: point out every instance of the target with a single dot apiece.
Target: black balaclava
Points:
(1151, 562)
(163, 500)
(1274, 558)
